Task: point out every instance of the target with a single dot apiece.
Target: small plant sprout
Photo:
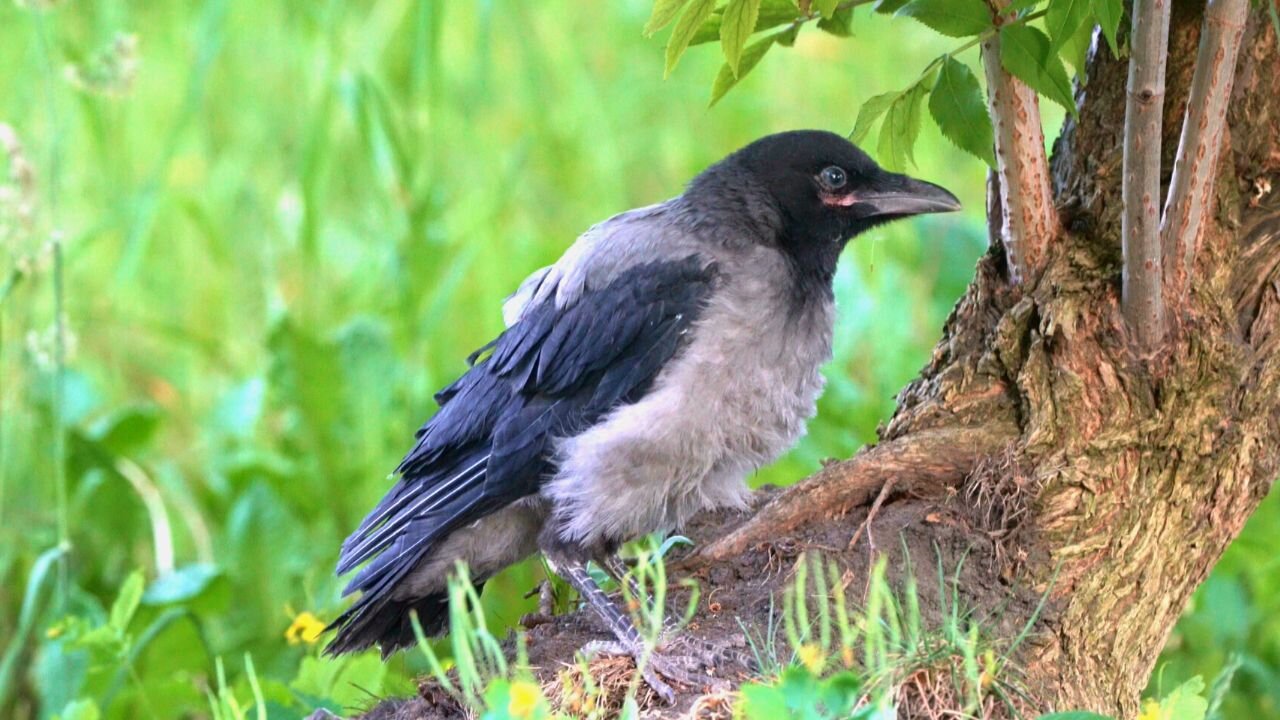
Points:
(478, 659)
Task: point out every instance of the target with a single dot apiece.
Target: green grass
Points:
(284, 225)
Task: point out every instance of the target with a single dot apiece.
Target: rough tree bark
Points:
(1042, 442)
(1137, 473)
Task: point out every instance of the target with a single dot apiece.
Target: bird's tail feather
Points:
(388, 625)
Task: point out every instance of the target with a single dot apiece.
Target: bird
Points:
(670, 352)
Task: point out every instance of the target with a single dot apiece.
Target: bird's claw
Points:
(655, 665)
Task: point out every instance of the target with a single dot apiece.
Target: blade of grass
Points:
(27, 617)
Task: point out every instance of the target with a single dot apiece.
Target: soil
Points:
(912, 532)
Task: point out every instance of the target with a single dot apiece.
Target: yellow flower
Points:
(306, 627)
(811, 657)
(1150, 710)
(525, 697)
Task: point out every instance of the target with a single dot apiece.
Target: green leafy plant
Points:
(1036, 37)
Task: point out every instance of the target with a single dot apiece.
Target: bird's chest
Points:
(736, 396)
(752, 376)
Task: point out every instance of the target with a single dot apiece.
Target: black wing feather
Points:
(553, 373)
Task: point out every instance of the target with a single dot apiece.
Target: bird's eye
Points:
(833, 178)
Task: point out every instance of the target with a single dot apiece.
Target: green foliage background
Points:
(288, 225)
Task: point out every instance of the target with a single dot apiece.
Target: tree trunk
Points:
(1135, 471)
(1041, 444)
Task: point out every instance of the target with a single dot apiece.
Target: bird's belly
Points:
(722, 410)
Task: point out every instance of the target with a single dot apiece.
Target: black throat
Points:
(813, 251)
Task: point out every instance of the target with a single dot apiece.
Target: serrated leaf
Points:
(826, 8)
(772, 14)
(751, 55)
(1062, 18)
(959, 108)
(870, 112)
(901, 128)
(709, 32)
(840, 24)
(126, 603)
(1025, 52)
(954, 18)
(1076, 50)
(736, 25)
(1185, 702)
(1108, 13)
(664, 11)
(686, 27)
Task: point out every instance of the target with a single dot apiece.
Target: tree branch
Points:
(1194, 170)
(1029, 218)
(995, 208)
(1142, 292)
(929, 458)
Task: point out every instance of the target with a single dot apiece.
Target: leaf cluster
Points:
(1037, 39)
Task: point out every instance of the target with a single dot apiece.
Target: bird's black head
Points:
(825, 191)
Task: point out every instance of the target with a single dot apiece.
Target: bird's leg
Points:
(654, 665)
(617, 569)
(710, 653)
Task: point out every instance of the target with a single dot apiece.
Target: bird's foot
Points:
(711, 654)
(657, 666)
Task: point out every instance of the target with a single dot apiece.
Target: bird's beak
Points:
(900, 195)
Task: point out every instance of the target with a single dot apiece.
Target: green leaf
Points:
(954, 18)
(84, 709)
(840, 24)
(1018, 6)
(664, 11)
(685, 29)
(183, 584)
(1074, 715)
(1076, 49)
(763, 701)
(737, 25)
(787, 36)
(727, 78)
(901, 127)
(826, 8)
(1025, 52)
(959, 108)
(1063, 18)
(1108, 13)
(772, 14)
(1185, 702)
(888, 7)
(126, 603)
(870, 112)
(128, 430)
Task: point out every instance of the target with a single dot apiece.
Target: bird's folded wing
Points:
(556, 371)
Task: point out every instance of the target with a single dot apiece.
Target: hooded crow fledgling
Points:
(671, 351)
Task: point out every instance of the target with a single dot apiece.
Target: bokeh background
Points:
(284, 225)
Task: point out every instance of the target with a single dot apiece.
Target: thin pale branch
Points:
(1142, 291)
(995, 208)
(1029, 219)
(1194, 170)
